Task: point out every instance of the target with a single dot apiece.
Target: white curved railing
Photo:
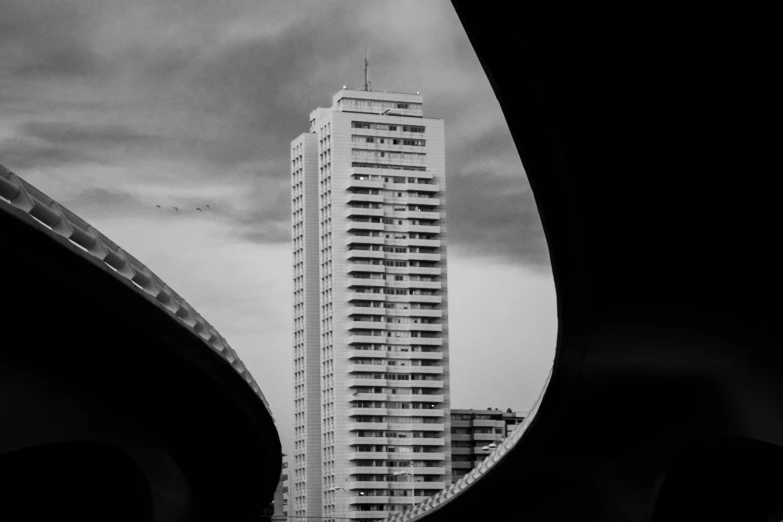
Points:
(59, 220)
(420, 510)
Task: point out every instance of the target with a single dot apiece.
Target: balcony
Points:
(417, 327)
(367, 411)
(425, 384)
(415, 456)
(429, 398)
(487, 437)
(368, 470)
(392, 441)
(487, 423)
(367, 368)
(430, 356)
(352, 426)
(420, 214)
(380, 354)
(418, 485)
(364, 240)
(357, 253)
(411, 413)
(353, 441)
(419, 270)
(414, 312)
(364, 267)
(412, 200)
(368, 397)
(429, 243)
(360, 515)
(364, 184)
(366, 499)
(417, 426)
(366, 325)
(366, 296)
(405, 500)
(366, 382)
(414, 298)
(409, 368)
(435, 470)
(366, 310)
(425, 285)
(427, 229)
(364, 212)
(367, 455)
(363, 225)
(387, 172)
(363, 198)
(424, 187)
(370, 281)
(366, 339)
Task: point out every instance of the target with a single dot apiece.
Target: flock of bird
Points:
(177, 208)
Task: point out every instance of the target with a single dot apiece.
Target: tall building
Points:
(476, 433)
(371, 377)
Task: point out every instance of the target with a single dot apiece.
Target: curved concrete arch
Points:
(98, 350)
(639, 130)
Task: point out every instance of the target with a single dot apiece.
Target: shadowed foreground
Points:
(117, 400)
(642, 132)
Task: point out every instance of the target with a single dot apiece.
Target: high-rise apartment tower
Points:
(371, 367)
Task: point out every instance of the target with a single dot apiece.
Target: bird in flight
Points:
(157, 206)
(198, 209)
(175, 208)
(207, 206)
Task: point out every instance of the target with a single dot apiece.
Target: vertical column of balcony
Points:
(398, 426)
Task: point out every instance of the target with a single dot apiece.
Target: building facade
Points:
(280, 502)
(372, 424)
(475, 434)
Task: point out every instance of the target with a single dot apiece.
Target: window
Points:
(370, 140)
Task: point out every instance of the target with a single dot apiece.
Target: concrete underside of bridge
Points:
(639, 132)
(110, 409)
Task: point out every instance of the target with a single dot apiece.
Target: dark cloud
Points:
(88, 136)
(47, 39)
(180, 83)
(59, 144)
(496, 216)
(24, 154)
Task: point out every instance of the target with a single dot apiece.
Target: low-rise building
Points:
(280, 502)
(475, 433)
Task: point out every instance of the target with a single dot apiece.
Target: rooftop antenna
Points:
(367, 83)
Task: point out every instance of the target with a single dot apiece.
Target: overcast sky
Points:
(112, 108)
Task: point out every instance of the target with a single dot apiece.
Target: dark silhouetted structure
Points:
(118, 402)
(642, 131)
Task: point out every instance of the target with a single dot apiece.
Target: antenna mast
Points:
(367, 83)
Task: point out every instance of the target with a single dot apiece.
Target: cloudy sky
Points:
(113, 108)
